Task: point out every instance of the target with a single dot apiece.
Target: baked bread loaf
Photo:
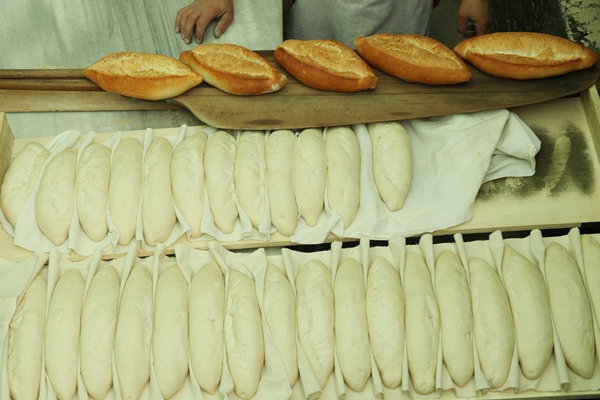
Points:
(525, 55)
(234, 69)
(413, 58)
(143, 76)
(325, 65)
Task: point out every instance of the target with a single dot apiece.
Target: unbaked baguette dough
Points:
(25, 342)
(279, 306)
(170, 345)
(351, 332)
(456, 316)
(591, 262)
(571, 311)
(219, 163)
(125, 188)
(91, 190)
(251, 175)
(134, 333)
(187, 179)
(493, 323)
(315, 317)
(422, 324)
(243, 335)
(280, 185)
(54, 203)
(20, 178)
(385, 317)
(158, 211)
(206, 315)
(343, 172)
(98, 325)
(392, 162)
(310, 174)
(528, 299)
(63, 326)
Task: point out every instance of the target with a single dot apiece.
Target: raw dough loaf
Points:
(385, 317)
(315, 317)
(91, 190)
(280, 314)
(219, 163)
(170, 345)
(158, 211)
(454, 301)
(125, 188)
(187, 179)
(591, 262)
(25, 341)
(422, 324)
(206, 315)
(251, 175)
(54, 203)
(493, 323)
(571, 311)
(243, 335)
(351, 332)
(134, 333)
(62, 333)
(20, 178)
(530, 310)
(343, 172)
(392, 162)
(98, 325)
(310, 174)
(280, 184)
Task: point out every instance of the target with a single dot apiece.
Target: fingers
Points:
(193, 19)
(223, 24)
(473, 18)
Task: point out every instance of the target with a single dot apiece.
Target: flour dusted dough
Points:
(351, 332)
(591, 262)
(187, 179)
(243, 335)
(20, 178)
(494, 329)
(280, 184)
(125, 187)
(206, 315)
(571, 311)
(528, 299)
(315, 317)
(98, 325)
(343, 172)
(385, 317)
(310, 174)
(219, 164)
(62, 333)
(170, 345)
(392, 162)
(422, 324)
(54, 203)
(454, 301)
(25, 340)
(280, 314)
(251, 175)
(134, 333)
(91, 190)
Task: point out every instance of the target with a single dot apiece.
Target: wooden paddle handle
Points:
(41, 74)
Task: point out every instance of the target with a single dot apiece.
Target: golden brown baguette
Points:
(142, 75)
(413, 58)
(234, 69)
(525, 55)
(325, 65)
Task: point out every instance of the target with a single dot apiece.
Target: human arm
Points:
(475, 13)
(199, 14)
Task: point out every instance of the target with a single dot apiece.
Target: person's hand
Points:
(199, 14)
(473, 18)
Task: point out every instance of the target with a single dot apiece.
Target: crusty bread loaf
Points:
(413, 58)
(525, 55)
(325, 65)
(143, 76)
(234, 69)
